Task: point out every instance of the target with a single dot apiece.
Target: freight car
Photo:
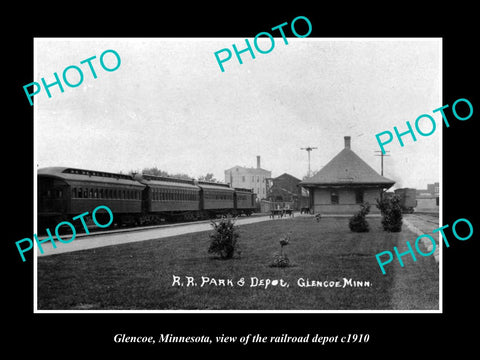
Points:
(140, 199)
(408, 199)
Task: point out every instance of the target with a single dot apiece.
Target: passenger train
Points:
(140, 199)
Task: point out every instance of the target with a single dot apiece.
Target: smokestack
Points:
(347, 142)
(258, 161)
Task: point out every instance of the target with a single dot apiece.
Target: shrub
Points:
(357, 222)
(391, 213)
(224, 238)
(281, 259)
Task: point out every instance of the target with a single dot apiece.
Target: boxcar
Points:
(216, 198)
(67, 192)
(170, 197)
(408, 199)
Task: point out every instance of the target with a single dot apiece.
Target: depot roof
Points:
(345, 169)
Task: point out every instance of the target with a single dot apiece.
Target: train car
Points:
(169, 198)
(408, 199)
(244, 201)
(216, 198)
(67, 192)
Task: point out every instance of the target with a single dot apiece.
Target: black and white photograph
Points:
(223, 180)
(261, 187)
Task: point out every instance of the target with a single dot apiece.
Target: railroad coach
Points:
(66, 192)
(216, 198)
(244, 201)
(169, 198)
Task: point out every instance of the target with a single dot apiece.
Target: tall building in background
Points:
(249, 178)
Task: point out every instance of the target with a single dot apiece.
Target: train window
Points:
(74, 192)
(95, 193)
(79, 193)
(85, 193)
(101, 194)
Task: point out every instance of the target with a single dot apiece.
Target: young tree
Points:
(223, 239)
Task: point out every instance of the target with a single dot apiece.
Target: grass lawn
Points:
(141, 275)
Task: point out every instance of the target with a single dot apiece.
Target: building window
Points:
(334, 197)
(243, 178)
(359, 196)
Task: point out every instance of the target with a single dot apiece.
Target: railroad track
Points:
(425, 217)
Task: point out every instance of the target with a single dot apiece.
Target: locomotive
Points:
(139, 199)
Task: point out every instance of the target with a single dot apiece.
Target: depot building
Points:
(345, 182)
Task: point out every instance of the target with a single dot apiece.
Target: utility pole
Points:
(382, 155)
(308, 149)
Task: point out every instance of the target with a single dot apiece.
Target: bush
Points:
(357, 222)
(281, 259)
(391, 213)
(224, 238)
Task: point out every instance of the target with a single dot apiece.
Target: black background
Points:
(390, 334)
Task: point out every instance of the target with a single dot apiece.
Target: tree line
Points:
(158, 172)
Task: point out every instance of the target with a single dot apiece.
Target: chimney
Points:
(347, 142)
(258, 161)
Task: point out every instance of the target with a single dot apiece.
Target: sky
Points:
(169, 106)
